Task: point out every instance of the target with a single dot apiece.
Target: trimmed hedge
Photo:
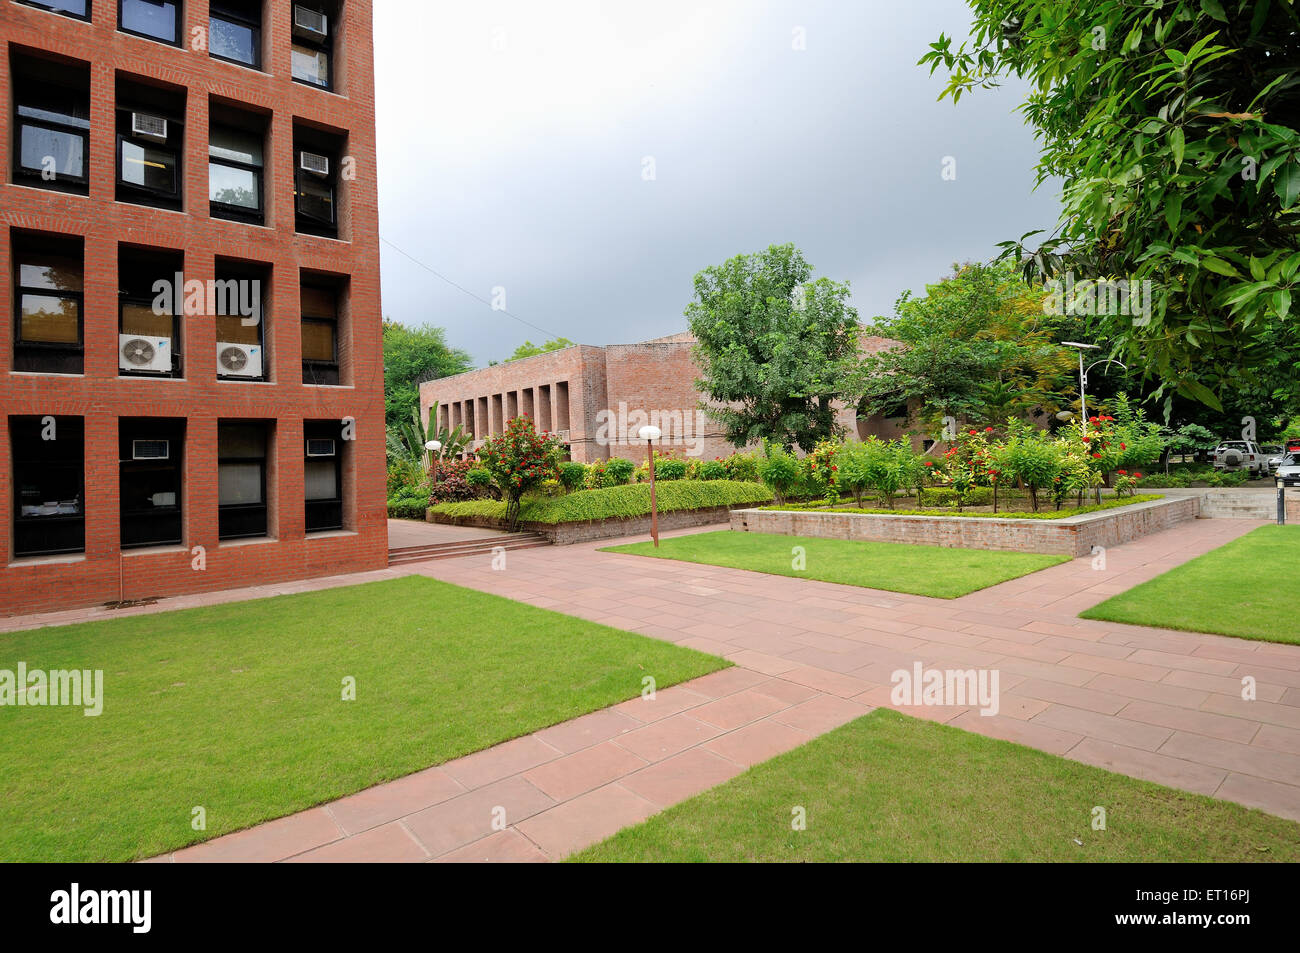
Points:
(1048, 514)
(620, 502)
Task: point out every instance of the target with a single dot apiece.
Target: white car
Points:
(1288, 472)
(1275, 452)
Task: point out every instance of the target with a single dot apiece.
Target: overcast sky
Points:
(515, 139)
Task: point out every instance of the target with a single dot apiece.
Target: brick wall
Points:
(104, 573)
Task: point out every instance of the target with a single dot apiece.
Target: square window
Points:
(150, 143)
(235, 31)
(52, 123)
(313, 25)
(235, 169)
(155, 19)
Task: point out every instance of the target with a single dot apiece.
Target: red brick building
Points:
(191, 377)
(597, 398)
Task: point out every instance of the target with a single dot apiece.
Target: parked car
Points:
(1288, 472)
(1241, 454)
(1275, 452)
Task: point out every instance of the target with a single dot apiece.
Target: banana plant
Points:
(406, 441)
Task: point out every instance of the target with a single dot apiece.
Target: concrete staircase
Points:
(483, 545)
(1239, 505)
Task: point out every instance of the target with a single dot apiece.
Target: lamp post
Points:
(434, 446)
(1083, 382)
(650, 435)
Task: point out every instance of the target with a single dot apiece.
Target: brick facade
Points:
(105, 572)
(597, 398)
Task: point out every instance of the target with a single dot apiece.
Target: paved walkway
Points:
(1155, 704)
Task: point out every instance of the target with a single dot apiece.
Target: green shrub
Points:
(1176, 479)
(742, 466)
(573, 474)
(479, 478)
(597, 475)
(782, 471)
(620, 501)
(408, 503)
(670, 470)
(620, 471)
(712, 470)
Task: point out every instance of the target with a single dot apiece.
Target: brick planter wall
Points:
(564, 534)
(1073, 536)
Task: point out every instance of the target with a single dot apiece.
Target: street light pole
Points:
(1083, 382)
(434, 446)
(650, 435)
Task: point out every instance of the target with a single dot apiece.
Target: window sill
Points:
(46, 190)
(245, 382)
(253, 541)
(311, 535)
(41, 374)
(149, 377)
(65, 559)
(155, 550)
(331, 386)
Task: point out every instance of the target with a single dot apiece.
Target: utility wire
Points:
(462, 288)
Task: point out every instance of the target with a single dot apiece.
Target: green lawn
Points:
(238, 708)
(1246, 589)
(897, 567)
(887, 787)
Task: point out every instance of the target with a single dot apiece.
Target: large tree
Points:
(412, 355)
(529, 349)
(774, 348)
(1172, 125)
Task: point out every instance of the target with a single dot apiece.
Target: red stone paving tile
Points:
(274, 840)
(732, 711)
(583, 771)
(1186, 719)
(1073, 646)
(726, 682)
(508, 846)
(1285, 715)
(834, 683)
(1280, 799)
(879, 697)
(1073, 695)
(585, 820)
(1253, 760)
(1266, 673)
(1044, 672)
(390, 844)
(791, 693)
(681, 776)
(500, 761)
(665, 738)
(1135, 734)
(822, 714)
(1039, 653)
(1113, 666)
(761, 662)
(663, 704)
(472, 816)
(1025, 709)
(387, 802)
(757, 742)
(1277, 738)
(1172, 772)
(588, 730)
(1223, 684)
(1043, 737)
(1160, 692)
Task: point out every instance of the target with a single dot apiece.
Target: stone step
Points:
(475, 547)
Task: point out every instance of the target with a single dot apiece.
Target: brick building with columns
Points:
(154, 445)
(597, 398)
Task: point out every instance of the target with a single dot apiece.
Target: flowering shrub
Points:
(619, 471)
(823, 470)
(742, 466)
(711, 470)
(449, 481)
(520, 459)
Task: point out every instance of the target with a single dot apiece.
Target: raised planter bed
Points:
(563, 534)
(1070, 536)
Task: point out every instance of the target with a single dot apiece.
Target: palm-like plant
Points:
(406, 441)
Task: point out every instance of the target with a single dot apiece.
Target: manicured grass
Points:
(238, 708)
(887, 787)
(1245, 589)
(619, 502)
(898, 567)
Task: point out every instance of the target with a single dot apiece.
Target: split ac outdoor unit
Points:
(310, 23)
(150, 449)
(136, 352)
(149, 127)
(239, 360)
(320, 447)
(314, 163)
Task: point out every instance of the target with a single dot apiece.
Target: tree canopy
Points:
(412, 355)
(1173, 128)
(775, 347)
(529, 349)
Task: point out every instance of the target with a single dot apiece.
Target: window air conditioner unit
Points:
(310, 23)
(239, 360)
(150, 449)
(320, 447)
(149, 127)
(315, 164)
(135, 352)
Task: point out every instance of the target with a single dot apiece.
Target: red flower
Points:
(972, 433)
(1123, 446)
(1137, 476)
(929, 463)
(988, 429)
(1097, 456)
(1122, 472)
(1087, 439)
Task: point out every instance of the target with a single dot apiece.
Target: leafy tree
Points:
(413, 355)
(774, 347)
(1172, 126)
(529, 349)
(519, 460)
